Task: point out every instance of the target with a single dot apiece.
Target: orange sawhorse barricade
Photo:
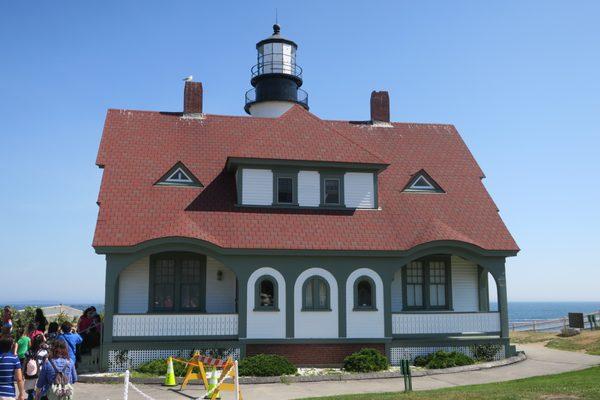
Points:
(196, 370)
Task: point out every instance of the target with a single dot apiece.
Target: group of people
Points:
(42, 358)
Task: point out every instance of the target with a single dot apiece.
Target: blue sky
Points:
(520, 81)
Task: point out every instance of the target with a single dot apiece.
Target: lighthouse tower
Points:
(276, 78)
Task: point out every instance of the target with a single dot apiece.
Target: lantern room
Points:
(276, 78)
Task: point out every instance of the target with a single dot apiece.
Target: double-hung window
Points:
(427, 284)
(332, 190)
(285, 188)
(177, 282)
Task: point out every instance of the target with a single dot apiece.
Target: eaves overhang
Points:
(235, 162)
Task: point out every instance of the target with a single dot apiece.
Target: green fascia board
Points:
(235, 162)
(441, 246)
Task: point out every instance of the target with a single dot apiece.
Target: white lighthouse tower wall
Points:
(270, 109)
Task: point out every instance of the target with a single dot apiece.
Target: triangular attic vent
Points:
(179, 175)
(422, 182)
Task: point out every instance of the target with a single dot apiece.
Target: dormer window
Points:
(285, 192)
(422, 182)
(179, 175)
(285, 188)
(332, 190)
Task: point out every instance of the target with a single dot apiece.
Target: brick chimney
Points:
(192, 98)
(380, 106)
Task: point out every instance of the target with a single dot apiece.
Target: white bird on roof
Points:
(188, 79)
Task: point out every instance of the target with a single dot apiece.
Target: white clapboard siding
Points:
(257, 187)
(397, 291)
(309, 191)
(448, 323)
(220, 294)
(359, 190)
(175, 325)
(133, 287)
(465, 285)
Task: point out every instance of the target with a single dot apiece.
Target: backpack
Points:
(60, 389)
(31, 368)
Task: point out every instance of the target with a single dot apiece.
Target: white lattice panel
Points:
(410, 324)
(175, 325)
(409, 353)
(119, 361)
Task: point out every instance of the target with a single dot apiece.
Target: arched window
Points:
(266, 294)
(364, 294)
(315, 294)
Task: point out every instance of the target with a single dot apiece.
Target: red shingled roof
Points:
(138, 147)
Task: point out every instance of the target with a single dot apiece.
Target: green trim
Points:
(239, 173)
(448, 341)
(313, 281)
(425, 291)
(257, 305)
(448, 336)
(178, 257)
(293, 175)
(376, 191)
(441, 246)
(325, 176)
(484, 294)
(358, 307)
(233, 162)
(175, 345)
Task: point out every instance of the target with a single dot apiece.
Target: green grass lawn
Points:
(586, 342)
(571, 385)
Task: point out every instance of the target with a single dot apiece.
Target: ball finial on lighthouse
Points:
(276, 78)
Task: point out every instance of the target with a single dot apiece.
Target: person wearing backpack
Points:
(36, 357)
(10, 371)
(71, 339)
(57, 375)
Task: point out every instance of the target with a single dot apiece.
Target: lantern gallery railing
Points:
(301, 98)
(265, 66)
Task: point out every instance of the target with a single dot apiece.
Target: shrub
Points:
(159, 367)
(568, 332)
(266, 365)
(422, 361)
(366, 360)
(443, 359)
(485, 352)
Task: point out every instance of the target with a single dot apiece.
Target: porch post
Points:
(484, 294)
(111, 291)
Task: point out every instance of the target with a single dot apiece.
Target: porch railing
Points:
(445, 323)
(175, 325)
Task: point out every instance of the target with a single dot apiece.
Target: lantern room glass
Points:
(276, 58)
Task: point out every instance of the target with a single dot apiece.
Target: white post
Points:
(126, 390)
(236, 381)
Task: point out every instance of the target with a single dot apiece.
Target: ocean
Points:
(517, 310)
(528, 310)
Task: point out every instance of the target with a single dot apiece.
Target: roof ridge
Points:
(338, 132)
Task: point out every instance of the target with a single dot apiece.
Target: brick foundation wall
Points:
(325, 354)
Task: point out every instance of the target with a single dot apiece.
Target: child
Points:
(23, 345)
